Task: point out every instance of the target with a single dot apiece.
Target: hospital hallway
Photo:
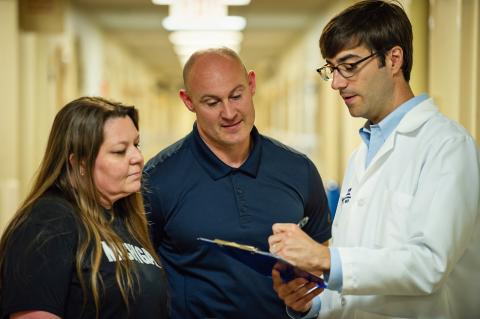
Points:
(53, 51)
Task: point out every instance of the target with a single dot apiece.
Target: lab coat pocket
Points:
(392, 222)
(368, 315)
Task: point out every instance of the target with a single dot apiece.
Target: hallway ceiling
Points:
(137, 25)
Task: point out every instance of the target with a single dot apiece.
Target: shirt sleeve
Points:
(39, 261)
(312, 313)
(335, 278)
(319, 224)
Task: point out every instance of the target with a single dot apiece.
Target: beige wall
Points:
(9, 168)
(418, 12)
(454, 60)
(39, 99)
(42, 71)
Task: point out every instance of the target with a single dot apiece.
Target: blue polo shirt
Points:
(190, 193)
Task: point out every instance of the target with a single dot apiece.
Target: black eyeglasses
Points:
(346, 70)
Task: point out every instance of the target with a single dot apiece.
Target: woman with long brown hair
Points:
(78, 246)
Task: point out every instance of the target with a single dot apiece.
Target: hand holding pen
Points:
(290, 242)
(285, 229)
(274, 247)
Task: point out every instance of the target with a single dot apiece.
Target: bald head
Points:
(198, 55)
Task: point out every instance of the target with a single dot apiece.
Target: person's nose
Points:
(229, 111)
(338, 81)
(136, 157)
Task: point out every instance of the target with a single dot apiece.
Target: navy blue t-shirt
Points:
(190, 193)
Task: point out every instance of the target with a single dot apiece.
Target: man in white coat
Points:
(406, 235)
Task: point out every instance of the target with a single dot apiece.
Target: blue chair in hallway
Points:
(333, 194)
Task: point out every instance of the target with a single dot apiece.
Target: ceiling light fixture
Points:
(187, 42)
(199, 24)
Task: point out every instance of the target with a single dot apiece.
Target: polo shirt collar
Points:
(218, 169)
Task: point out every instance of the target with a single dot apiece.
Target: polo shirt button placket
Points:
(241, 201)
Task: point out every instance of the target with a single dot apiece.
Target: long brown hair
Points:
(77, 133)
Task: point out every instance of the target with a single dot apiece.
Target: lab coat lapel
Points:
(411, 121)
(359, 159)
(417, 117)
(382, 155)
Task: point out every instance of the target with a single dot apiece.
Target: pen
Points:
(303, 222)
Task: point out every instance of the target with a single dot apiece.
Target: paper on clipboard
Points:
(261, 261)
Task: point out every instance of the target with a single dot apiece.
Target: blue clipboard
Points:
(261, 261)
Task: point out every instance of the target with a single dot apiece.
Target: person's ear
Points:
(186, 100)
(73, 161)
(395, 58)
(252, 85)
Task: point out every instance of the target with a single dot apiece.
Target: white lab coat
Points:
(408, 232)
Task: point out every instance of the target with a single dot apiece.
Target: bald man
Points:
(225, 180)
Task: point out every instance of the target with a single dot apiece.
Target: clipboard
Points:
(261, 261)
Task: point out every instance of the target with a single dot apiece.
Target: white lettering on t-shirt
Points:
(108, 252)
(138, 254)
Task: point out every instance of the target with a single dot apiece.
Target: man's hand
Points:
(291, 243)
(296, 294)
